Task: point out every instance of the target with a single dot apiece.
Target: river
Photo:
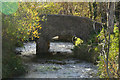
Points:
(56, 67)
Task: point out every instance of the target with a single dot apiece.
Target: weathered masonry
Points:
(57, 25)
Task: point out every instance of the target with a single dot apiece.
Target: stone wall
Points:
(64, 25)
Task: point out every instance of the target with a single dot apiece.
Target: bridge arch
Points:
(64, 25)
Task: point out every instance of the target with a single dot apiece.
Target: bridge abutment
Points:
(42, 47)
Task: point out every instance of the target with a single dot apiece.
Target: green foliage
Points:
(18, 27)
(23, 24)
(85, 51)
(49, 8)
(113, 55)
(28, 21)
(11, 64)
(78, 41)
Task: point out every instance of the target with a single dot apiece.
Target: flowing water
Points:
(56, 68)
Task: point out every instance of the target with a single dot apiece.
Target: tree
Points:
(95, 10)
(117, 13)
(110, 26)
(90, 9)
(109, 53)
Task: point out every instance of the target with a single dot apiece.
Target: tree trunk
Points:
(111, 15)
(118, 19)
(95, 10)
(110, 27)
(90, 9)
(119, 48)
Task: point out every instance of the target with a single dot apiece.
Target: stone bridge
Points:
(65, 25)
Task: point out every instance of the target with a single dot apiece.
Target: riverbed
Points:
(61, 67)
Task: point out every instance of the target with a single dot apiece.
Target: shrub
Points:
(113, 55)
(11, 63)
(85, 52)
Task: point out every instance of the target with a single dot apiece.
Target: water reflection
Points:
(30, 47)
